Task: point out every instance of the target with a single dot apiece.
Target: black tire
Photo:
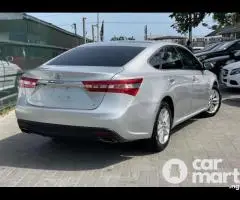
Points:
(154, 144)
(206, 113)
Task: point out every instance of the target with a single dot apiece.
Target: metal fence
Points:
(9, 76)
(204, 41)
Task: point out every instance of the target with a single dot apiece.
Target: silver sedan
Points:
(117, 92)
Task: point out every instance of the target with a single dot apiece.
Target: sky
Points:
(117, 24)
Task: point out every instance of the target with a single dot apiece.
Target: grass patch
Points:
(7, 109)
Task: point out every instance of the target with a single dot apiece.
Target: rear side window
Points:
(114, 56)
(167, 58)
(188, 60)
(171, 59)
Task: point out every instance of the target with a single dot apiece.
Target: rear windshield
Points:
(113, 56)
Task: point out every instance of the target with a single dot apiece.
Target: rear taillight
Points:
(26, 82)
(127, 86)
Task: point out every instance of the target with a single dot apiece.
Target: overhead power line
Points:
(52, 15)
(118, 22)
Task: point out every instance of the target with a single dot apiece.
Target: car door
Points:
(200, 85)
(179, 81)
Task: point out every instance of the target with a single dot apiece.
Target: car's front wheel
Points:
(214, 103)
(162, 128)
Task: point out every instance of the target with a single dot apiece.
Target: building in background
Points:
(203, 41)
(25, 28)
(31, 41)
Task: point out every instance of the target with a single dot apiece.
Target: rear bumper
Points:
(56, 130)
(130, 123)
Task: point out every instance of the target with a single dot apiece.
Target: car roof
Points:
(132, 43)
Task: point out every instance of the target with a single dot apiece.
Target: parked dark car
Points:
(226, 48)
(220, 61)
(210, 47)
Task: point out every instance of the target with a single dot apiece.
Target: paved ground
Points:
(30, 160)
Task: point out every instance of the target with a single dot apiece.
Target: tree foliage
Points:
(122, 38)
(185, 21)
(226, 19)
(223, 19)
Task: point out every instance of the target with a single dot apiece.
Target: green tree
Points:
(131, 38)
(226, 19)
(184, 22)
(122, 38)
(223, 19)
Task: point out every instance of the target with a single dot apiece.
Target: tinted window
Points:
(188, 60)
(98, 56)
(217, 46)
(171, 59)
(211, 46)
(236, 46)
(225, 46)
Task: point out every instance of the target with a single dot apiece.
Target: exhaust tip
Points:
(106, 137)
(107, 140)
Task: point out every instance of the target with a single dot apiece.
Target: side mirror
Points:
(208, 65)
(237, 54)
(9, 58)
(234, 51)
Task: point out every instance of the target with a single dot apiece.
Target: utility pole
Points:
(84, 31)
(75, 32)
(145, 33)
(93, 36)
(75, 28)
(190, 27)
(98, 27)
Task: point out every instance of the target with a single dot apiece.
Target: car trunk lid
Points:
(63, 87)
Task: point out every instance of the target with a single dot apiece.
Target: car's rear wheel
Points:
(162, 128)
(214, 103)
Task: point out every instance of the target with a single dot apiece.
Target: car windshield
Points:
(113, 56)
(224, 46)
(211, 46)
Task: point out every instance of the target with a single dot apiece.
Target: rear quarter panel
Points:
(143, 108)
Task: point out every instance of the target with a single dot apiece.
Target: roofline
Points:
(212, 33)
(226, 30)
(29, 17)
(229, 31)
